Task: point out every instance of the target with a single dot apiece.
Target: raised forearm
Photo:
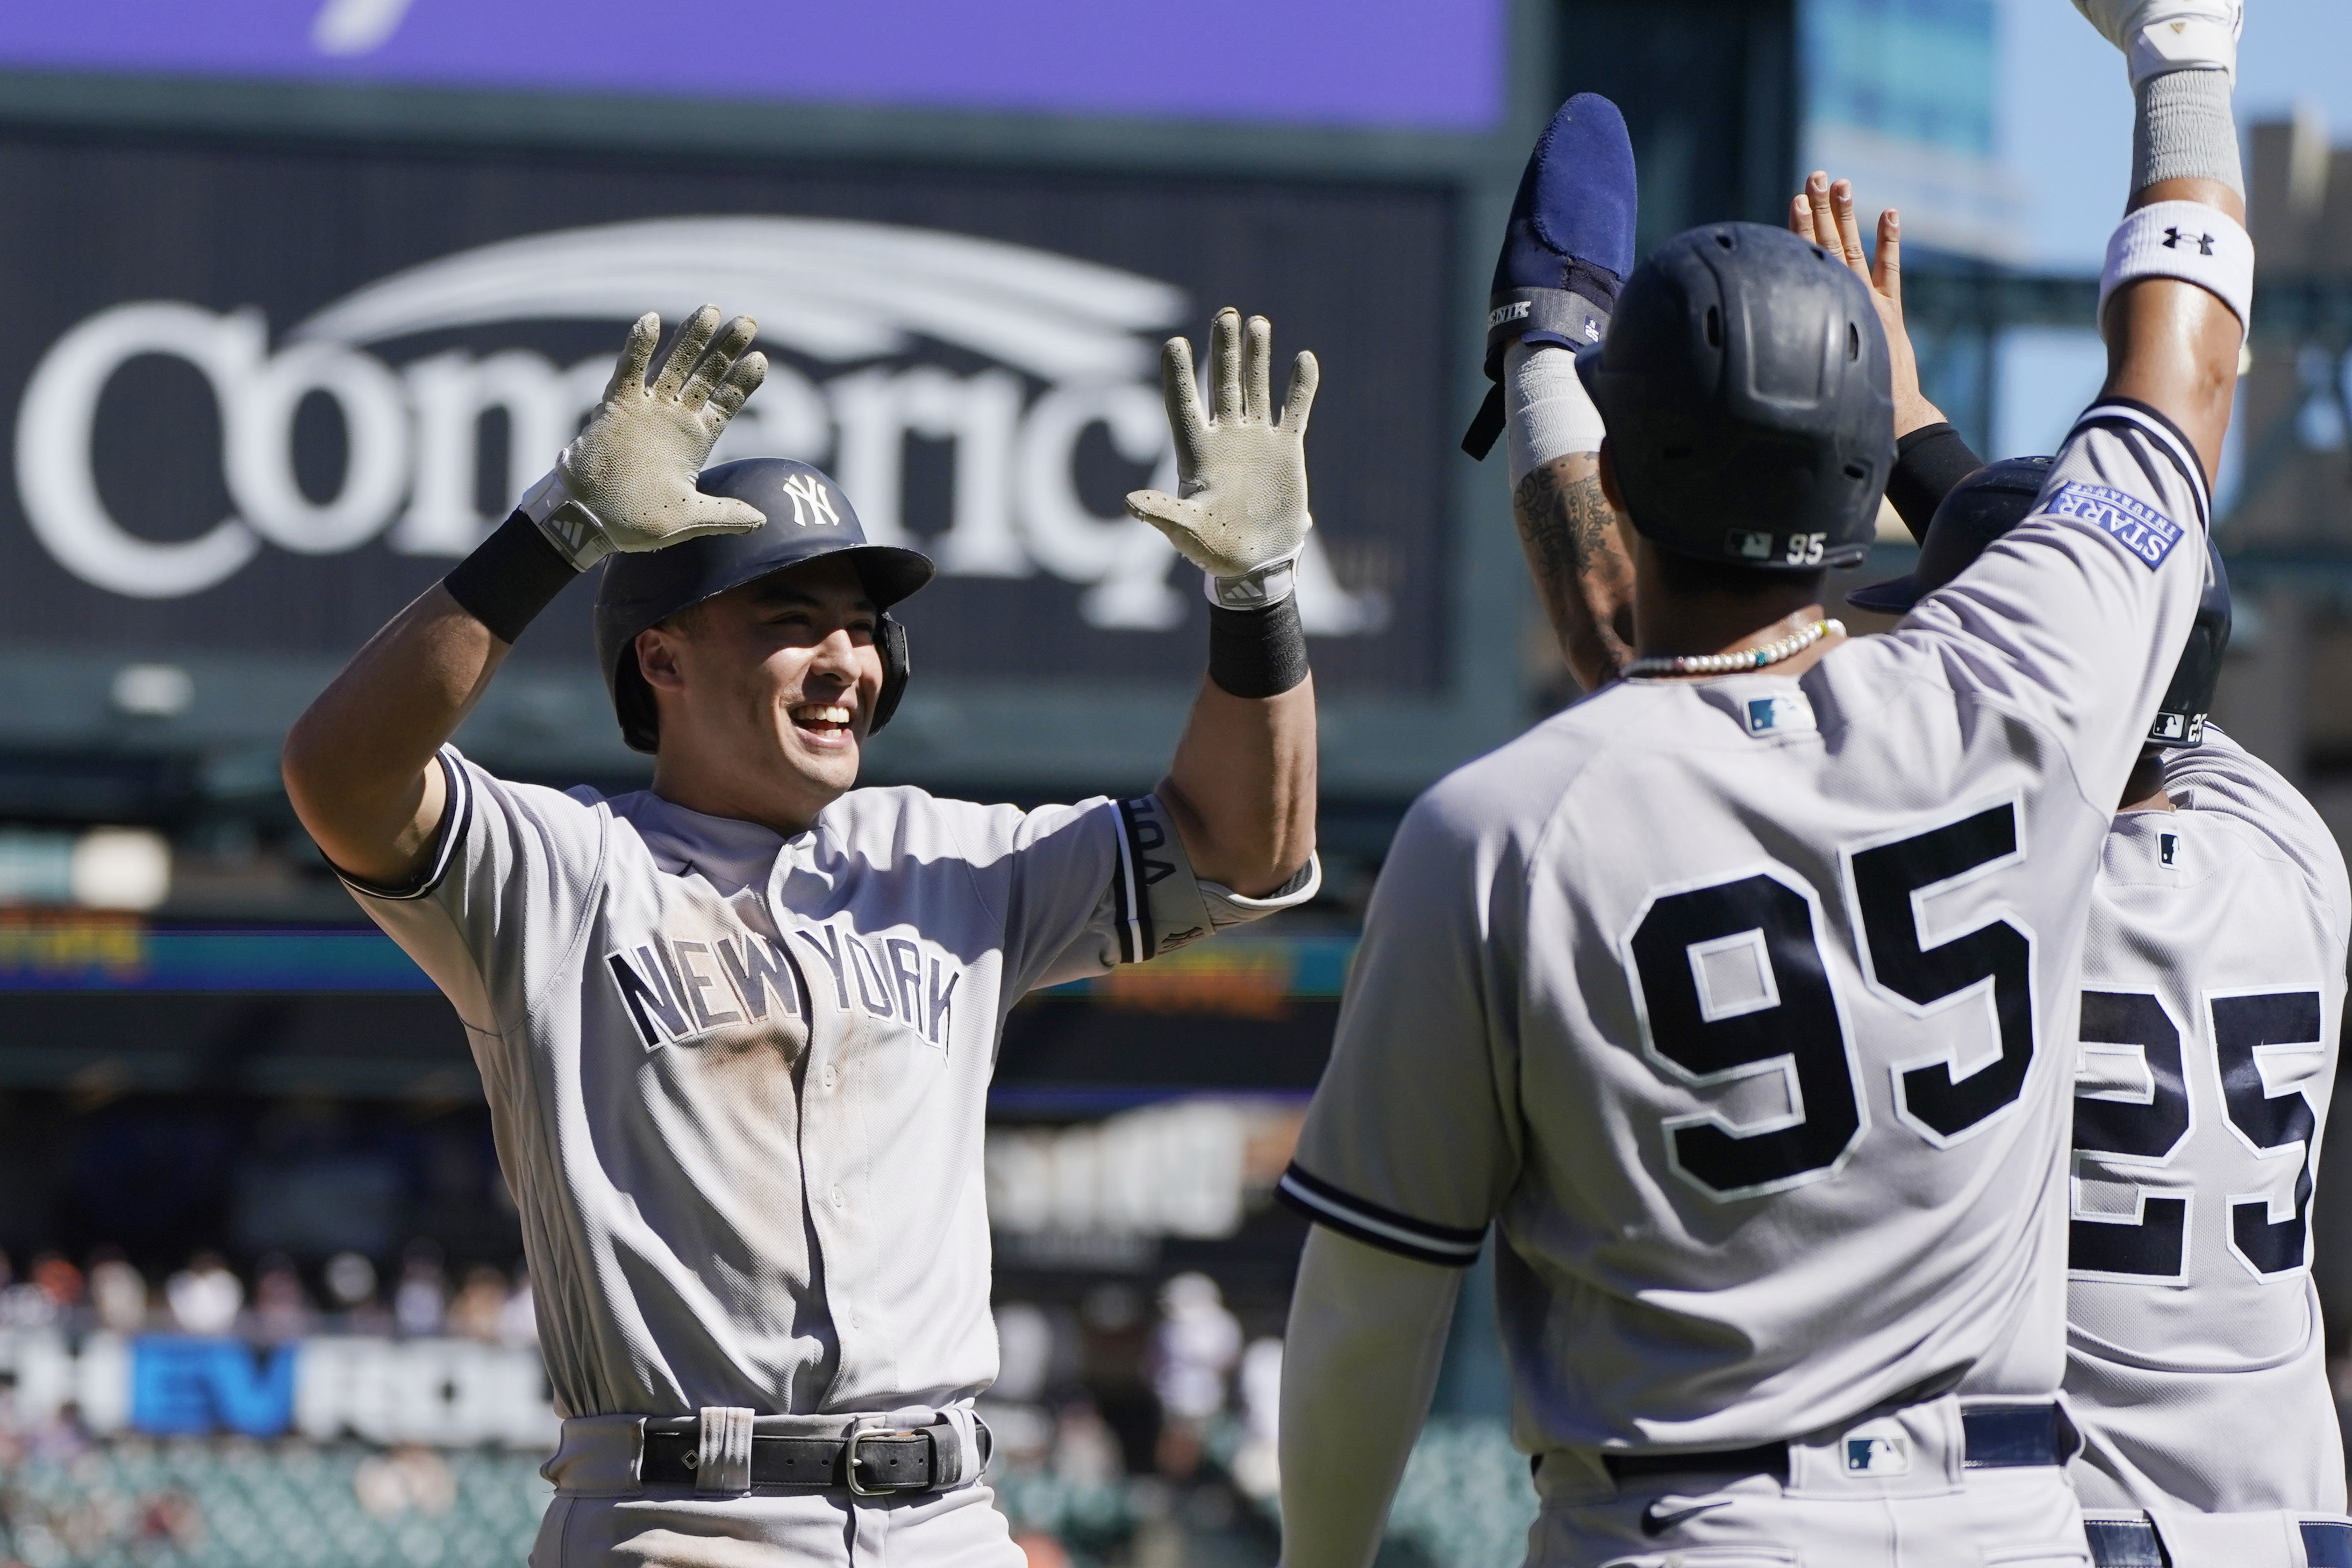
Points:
(358, 762)
(1367, 1335)
(1241, 787)
(1580, 566)
(2174, 345)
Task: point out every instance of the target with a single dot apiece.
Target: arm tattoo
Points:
(1563, 521)
(1582, 572)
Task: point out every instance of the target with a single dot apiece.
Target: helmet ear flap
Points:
(890, 636)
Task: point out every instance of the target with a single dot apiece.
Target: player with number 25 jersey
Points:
(2213, 996)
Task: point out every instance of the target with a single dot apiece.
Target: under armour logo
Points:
(811, 501)
(2204, 243)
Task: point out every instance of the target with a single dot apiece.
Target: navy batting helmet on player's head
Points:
(1978, 510)
(1749, 400)
(808, 518)
(1995, 499)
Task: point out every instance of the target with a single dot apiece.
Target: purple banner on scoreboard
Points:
(1396, 63)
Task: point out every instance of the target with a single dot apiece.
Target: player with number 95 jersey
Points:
(1737, 999)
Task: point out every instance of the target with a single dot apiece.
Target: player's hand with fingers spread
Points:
(1823, 213)
(626, 482)
(1240, 515)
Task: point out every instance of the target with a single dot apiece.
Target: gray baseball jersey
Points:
(2212, 993)
(738, 1080)
(1744, 1006)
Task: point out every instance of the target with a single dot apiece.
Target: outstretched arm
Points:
(1568, 533)
(1242, 786)
(1359, 1364)
(2174, 345)
(2179, 272)
(359, 763)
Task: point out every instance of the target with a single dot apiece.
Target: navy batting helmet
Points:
(808, 518)
(1749, 400)
(1978, 510)
(1995, 499)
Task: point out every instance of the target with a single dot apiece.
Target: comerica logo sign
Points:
(1066, 349)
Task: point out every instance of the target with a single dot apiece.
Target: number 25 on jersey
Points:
(2150, 1129)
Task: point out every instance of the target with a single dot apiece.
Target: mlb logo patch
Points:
(1878, 1455)
(2146, 533)
(1746, 545)
(1778, 716)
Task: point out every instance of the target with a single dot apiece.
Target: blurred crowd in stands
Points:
(205, 1296)
(1116, 1423)
(1127, 1411)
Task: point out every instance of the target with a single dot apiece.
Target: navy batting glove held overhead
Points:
(1568, 248)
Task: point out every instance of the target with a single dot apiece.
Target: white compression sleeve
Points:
(1550, 412)
(1367, 1332)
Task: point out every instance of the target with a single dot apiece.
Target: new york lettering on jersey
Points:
(677, 987)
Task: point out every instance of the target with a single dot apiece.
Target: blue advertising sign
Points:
(1394, 63)
(185, 1386)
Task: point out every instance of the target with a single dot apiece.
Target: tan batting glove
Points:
(626, 482)
(1242, 516)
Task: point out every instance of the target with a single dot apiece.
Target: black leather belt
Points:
(2134, 1543)
(2125, 1543)
(2327, 1545)
(871, 1462)
(2000, 1437)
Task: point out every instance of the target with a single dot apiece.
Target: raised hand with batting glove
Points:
(1241, 515)
(626, 482)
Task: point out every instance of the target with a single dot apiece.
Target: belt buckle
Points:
(849, 1463)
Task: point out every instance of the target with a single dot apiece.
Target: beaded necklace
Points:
(1795, 643)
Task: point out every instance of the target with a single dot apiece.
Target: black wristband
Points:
(1257, 653)
(1928, 464)
(510, 578)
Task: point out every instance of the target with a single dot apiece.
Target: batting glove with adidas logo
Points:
(627, 482)
(1241, 514)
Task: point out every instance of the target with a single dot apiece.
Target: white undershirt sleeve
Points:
(1367, 1335)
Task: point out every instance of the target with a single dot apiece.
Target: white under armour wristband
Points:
(1548, 412)
(2187, 240)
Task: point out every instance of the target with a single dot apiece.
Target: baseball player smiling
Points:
(737, 1030)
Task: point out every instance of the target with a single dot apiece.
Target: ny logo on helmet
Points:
(811, 502)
